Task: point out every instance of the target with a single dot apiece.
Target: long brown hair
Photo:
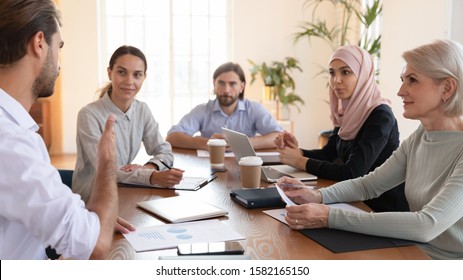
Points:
(122, 50)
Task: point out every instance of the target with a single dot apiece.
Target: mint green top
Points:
(431, 163)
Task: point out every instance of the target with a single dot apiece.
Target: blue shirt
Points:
(249, 118)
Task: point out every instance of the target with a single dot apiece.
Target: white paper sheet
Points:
(170, 235)
(279, 214)
(204, 153)
(285, 198)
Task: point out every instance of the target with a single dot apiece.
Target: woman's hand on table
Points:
(312, 215)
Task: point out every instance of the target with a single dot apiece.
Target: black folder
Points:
(340, 241)
(257, 198)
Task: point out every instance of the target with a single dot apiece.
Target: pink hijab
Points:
(350, 115)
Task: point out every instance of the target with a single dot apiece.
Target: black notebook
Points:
(257, 198)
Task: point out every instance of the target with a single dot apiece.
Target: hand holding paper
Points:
(285, 198)
(306, 215)
(298, 192)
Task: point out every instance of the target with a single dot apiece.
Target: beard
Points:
(227, 100)
(44, 84)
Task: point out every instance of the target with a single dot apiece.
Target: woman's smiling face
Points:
(127, 77)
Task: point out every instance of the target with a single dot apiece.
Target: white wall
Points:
(79, 63)
(406, 25)
(456, 31)
(262, 31)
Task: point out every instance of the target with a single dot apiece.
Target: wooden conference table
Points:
(266, 238)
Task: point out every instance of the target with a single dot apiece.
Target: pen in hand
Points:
(171, 168)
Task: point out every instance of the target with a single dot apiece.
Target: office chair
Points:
(323, 138)
(66, 178)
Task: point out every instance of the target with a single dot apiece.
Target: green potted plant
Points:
(277, 78)
(338, 34)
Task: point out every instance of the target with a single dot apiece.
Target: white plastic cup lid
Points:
(216, 142)
(251, 161)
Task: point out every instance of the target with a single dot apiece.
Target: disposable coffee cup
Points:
(250, 168)
(216, 152)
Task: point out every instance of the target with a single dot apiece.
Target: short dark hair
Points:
(228, 67)
(123, 50)
(20, 21)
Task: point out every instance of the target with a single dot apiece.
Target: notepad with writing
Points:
(186, 184)
(257, 198)
(179, 209)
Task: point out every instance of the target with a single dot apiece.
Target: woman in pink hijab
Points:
(365, 130)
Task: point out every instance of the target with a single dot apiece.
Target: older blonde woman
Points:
(430, 162)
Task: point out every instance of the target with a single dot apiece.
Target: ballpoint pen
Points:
(165, 164)
(207, 181)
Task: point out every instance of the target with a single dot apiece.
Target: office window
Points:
(374, 30)
(184, 41)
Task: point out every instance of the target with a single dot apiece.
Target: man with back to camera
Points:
(229, 110)
(36, 209)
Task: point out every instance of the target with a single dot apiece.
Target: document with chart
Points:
(170, 235)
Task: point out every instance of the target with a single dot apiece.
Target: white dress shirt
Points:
(36, 208)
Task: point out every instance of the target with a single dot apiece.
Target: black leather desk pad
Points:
(340, 241)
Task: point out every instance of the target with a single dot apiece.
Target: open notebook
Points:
(187, 184)
(179, 209)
